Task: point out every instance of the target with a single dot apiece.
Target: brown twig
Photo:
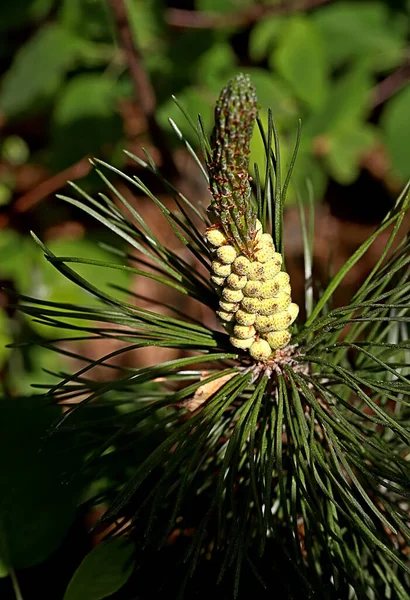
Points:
(143, 89)
(52, 185)
(190, 19)
(390, 85)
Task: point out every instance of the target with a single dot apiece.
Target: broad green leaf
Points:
(362, 29)
(264, 35)
(103, 571)
(38, 69)
(396, 128)
(348, 102)
(345, 150)
(300, 59)
(38, 492)
(16, 14)
(84, 118)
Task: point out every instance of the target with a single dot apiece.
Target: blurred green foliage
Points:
(63, 85)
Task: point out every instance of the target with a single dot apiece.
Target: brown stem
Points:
(390, 85)
(143, 89)
(190, 19)
(52, 185)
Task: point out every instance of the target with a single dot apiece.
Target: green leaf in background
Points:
(306, 167)
(396, 129)
(38, 492)
(348, 102)
(264, 35)
(216, 66)
(5, 337)
(6, 194)
(222, 6)
(194, 101)
(84, 119)
(300, 59)
(15, 14)
(88, 19)
(274, 93)
(15, 150)
(50, 285)
(346, 147)
(16, 258)
(38, 70)
(362, 29)
(147, 23)
(103, 571)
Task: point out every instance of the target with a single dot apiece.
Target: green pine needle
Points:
(296, 470)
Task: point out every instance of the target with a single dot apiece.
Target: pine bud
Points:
(244, 332)
(242, 344)
(220, 269)
(232, 295)
(282, 279)
(260, 350)
(250, 304)
(273, 266)
(225, 316)
(264, 323)
(269, 289)
(293, 310)
(278, 339)
(215, 237)
(241, 265)
(265, 253)
(218, 280)
(229, 306)
(245, 318)
(236, 282)
(252, 289)
(226, 254)
(255, 271)
(274, 305)
(281, 320)
(286, 289)
(266, 240)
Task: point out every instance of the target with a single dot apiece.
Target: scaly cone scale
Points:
(255, 305)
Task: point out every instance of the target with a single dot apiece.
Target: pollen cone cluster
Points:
(255, 304)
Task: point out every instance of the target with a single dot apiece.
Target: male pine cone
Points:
(255, 295)
(255, 302)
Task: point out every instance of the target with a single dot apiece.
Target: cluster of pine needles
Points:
(298, 473)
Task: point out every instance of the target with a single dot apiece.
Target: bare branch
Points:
(143, 89)
(190, 19)
(390, 85)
